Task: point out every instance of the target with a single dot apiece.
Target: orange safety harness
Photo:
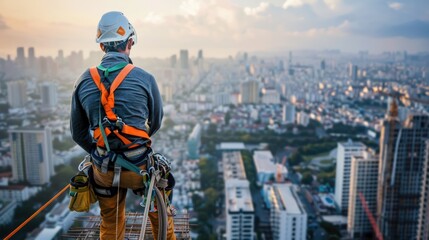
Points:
(112, 123)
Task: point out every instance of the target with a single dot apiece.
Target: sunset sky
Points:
(219, 27)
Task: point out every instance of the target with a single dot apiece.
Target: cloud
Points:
(327, 31)
(190, 7)
(296, 3)
(3, 24)
(332, 4)
(263, 6)
(411, 29)
(396, 6)
(153, 18)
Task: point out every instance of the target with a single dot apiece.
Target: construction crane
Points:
(388, 165)
(279, 174)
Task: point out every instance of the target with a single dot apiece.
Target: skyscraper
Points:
(250, 92)
(20, 57)
(194, 142)
(289, 113)
(31, 151)
(17, 94)
(184, 59)
(49, 95)
(353, 72)
(400, 187)
(173, 61)
(423, 227)
(238, 199)
(345, 151)
(288, 216)
(363, 180)
(31, 58)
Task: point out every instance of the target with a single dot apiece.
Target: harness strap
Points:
(108, 102)
(108, 97)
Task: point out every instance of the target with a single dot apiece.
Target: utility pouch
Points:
(81, 193)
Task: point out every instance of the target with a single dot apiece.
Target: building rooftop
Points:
(238, 197)
(350, 143)
(233, 167)
(264, 162)
(287, 199)
(335, 219)
(225, 146)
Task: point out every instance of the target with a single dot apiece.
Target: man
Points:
(121, 104)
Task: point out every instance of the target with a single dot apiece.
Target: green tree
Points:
(307, 178)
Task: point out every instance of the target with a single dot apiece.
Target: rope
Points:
(36, 213)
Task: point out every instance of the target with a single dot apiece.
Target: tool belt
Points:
(81, 193)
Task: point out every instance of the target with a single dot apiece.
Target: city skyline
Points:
(221, 27)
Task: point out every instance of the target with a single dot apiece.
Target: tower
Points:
(363, 180)
(250, 92)
(401, 175)
(20, 57)
(31, 150)
(345, 151)
(184, 59)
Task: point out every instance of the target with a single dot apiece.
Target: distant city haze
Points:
(220, 27)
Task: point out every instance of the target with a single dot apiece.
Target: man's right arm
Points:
(79, 123)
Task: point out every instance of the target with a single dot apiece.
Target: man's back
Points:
(137, 102)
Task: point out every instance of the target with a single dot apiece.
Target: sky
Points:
(219, 27)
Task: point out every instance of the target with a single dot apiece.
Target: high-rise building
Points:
(345, 151)
(166, 92)
(200, 54)
(250, 92)
(270, 96)
(31, 151)
(184, 59)
(288, 216)
(323, 65)
(173, 61)
(194, 142)
(423, 226)
(31, 58)
(222, 98)
(363, 182)
(20, 57)
(240, 212)
(239, 209)
(49, 95)
(353, 72)
(302, 118)
(288, 113)
(400, 187)
(17, 94)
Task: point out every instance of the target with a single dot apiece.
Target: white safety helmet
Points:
(115, 27)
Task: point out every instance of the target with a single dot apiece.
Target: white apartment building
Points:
(363, 180)
(288, 216)
(345, 151)
(240, 213)
(31, 151)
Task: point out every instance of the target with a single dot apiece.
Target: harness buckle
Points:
(118, 124)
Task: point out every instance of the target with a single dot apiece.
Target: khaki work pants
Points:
(108, 208)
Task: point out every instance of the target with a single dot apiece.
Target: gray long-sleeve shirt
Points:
(137, 101)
